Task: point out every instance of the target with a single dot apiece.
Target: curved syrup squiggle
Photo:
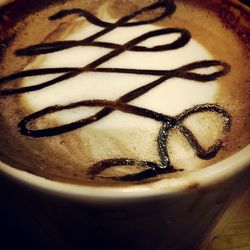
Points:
(169, 123)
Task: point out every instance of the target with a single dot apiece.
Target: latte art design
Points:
(168, 123)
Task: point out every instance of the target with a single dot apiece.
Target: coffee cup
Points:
(148, 165)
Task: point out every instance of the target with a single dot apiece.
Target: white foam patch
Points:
(171, 97)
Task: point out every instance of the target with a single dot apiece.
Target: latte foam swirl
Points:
(169, 123)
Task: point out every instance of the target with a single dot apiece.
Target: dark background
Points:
(246, 2)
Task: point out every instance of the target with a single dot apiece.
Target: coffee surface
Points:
(122, 92)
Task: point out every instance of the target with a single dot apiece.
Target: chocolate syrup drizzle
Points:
(151, 169)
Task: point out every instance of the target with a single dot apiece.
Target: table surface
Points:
(233, 230)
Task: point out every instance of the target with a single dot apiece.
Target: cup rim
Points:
(213, 174)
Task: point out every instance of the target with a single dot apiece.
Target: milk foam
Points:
(171, 98)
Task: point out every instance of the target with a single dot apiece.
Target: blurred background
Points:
(246, 2)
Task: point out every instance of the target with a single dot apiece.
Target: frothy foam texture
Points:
(110, 86)
(120, 100)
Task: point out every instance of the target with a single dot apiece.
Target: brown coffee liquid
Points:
(62, 152)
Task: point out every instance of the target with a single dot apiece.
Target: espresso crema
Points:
(122, 92)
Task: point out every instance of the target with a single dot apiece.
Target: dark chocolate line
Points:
(152, 169)
(162, 142)
(110, 106)
(207, 108)
(47, 48)
(200, 151)
(180, 73)
(146, 174)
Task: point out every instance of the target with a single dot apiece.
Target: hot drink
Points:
(122, 92)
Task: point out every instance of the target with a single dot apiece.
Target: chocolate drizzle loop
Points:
(189, 71)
